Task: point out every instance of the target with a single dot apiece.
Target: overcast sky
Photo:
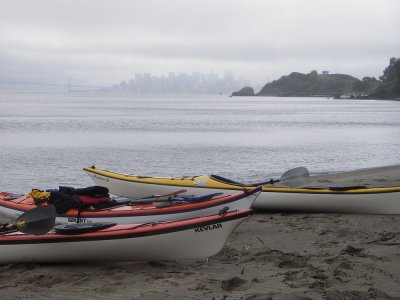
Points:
(102, 42)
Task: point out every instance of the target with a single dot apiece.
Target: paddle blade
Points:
(39, 220)
(295, 177)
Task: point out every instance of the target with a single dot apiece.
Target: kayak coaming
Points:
(187, 239)
(380, 200)
(139, 213)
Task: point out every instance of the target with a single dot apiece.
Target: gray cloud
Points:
(105, 41)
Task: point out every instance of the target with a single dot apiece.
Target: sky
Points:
(102, 42)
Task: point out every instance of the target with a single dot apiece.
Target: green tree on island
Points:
(390, 87)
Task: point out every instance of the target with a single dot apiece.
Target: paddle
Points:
(149, 199)
(165, 195)
(122, 201)
(179, 199)
(294, 177)
(38, 220)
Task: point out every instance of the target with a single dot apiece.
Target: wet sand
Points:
(269, 256)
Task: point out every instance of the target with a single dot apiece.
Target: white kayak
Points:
(350, 199)
(187, 239)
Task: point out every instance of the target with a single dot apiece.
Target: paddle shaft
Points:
(151, 198)
(167, 195)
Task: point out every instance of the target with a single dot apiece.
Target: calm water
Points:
(48, 138)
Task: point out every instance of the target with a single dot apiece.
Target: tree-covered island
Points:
(333, 85)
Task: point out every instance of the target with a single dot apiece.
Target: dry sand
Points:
(269, 256)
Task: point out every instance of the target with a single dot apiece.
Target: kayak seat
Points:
(228, 181)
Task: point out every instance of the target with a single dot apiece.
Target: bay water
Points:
(46, 139)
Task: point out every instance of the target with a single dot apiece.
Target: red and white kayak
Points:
(186, 239)
(136, 213)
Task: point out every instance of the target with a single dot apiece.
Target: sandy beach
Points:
(269, 256)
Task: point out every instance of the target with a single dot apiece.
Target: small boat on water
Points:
(169, 208)
(186, 239)
(342, 199)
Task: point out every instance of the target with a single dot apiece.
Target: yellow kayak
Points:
(354, 199)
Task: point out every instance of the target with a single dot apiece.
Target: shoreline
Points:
(330, 97)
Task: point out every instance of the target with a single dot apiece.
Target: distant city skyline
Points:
(195, 82)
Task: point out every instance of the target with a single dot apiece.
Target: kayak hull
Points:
(187, 239)
(354, 200)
